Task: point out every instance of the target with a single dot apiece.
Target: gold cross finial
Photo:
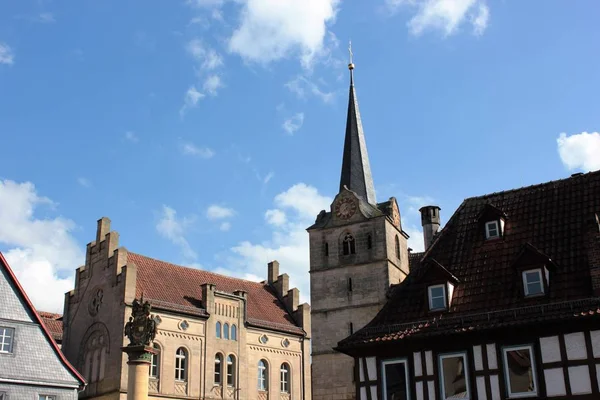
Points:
(351, 64)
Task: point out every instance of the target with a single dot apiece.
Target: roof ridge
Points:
(535, 185)
(199, 269)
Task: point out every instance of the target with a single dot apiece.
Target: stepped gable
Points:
(557, 219)
(172, 287)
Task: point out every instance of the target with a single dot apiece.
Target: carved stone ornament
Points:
(96, 302)
(141, 328)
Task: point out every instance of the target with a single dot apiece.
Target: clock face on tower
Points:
(345, 208)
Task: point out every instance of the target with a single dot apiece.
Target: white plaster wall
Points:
(494, 386)
(598, 373)
(429, 362)
(363, 393)
(580, 379)
(361, 372)
(481, 395)
(491, 353)
(371, 368)
(374, 392)
(575, 344)
(555, 382)
(417, 362)
(596, 342)
(419, 390)
(550, 349)
(431, 388)
(478, 358)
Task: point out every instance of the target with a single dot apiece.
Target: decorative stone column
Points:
(140, 330)
(140, 358)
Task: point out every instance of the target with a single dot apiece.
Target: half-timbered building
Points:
(503, 303)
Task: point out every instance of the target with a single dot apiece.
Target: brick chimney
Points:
(272, 272)
(430, 220)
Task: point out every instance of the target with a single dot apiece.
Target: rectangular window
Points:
(453, 376)
(6, 339)
(437, 297)
(532, 282)
(46, 397)
(491, 230)
(395, 380)
(519, 371)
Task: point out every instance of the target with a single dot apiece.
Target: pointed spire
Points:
(356, 171)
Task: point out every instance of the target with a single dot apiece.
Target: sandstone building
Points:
(31, 364)
(218, 337)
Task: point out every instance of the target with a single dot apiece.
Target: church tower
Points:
(357, 250)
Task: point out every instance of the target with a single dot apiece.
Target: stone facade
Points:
(347, 290)
(30, 362)
(99, 306)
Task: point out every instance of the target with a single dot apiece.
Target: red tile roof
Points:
(38, 319)
(555, 219)
(54, 324)
(172, 287)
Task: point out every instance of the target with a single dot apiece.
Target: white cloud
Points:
(444, 15)
(225, 226)
(42, 251)
(296, 209)
(294, 123)
(580, 151)
(132, 137)
(207, 57)
(268, 177)
(192, 96)
(272, 30)
(216, 211)
(212, 84)
(46, 17)
(302, 87)
(205, 3)
(7, 56)
(174, 229)
(84, 182)
(193, 150)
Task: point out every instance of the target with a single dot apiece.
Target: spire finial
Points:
(351, 64)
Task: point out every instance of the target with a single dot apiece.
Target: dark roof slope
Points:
(555, 218)
(37, 318)
(54, 324)
(182, 292)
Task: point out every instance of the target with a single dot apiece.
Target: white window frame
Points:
(181, 370)
(445, 297)
(47, 397)
(263, 376)
(487, 229)
(155, 363)
(512, 395)
(218, 375)
(525, 282)
(395, 361)
(7, 339)
(230, 362)
(441, 373)
(284, 378)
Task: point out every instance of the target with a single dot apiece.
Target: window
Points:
(519, 371)
(218, 362)
(351, 328)
(230, 370)
(326, 249)
(46, 397)
(369, 241)
(218, 333)
(492, 230)
(453, 371)
(397, 247)
(349, 245)
(285, 378)
(6, 339)
(532, 282)
(437, 297)
(226, 331)
(155, 364)
(349, 284)
(263, 374)
(181, 365)
(233, 332)
(3, 396)
(395, 380)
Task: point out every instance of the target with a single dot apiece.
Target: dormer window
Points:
(492, 230)
(533, 285)
(437, 297)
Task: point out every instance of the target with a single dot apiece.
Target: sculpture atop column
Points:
(141, 328)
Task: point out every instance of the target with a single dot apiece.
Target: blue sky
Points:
(211, 131)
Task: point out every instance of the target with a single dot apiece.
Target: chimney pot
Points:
(430, 220)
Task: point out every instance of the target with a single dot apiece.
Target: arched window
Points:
(349, 245)
(218, 366)
(397, 248)
(226, 331)
(230, 370)
(233, 332)
(155, 365)
(263, 376)
(369, 241)
(218, 333)
(285, 378)
(181, 365)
